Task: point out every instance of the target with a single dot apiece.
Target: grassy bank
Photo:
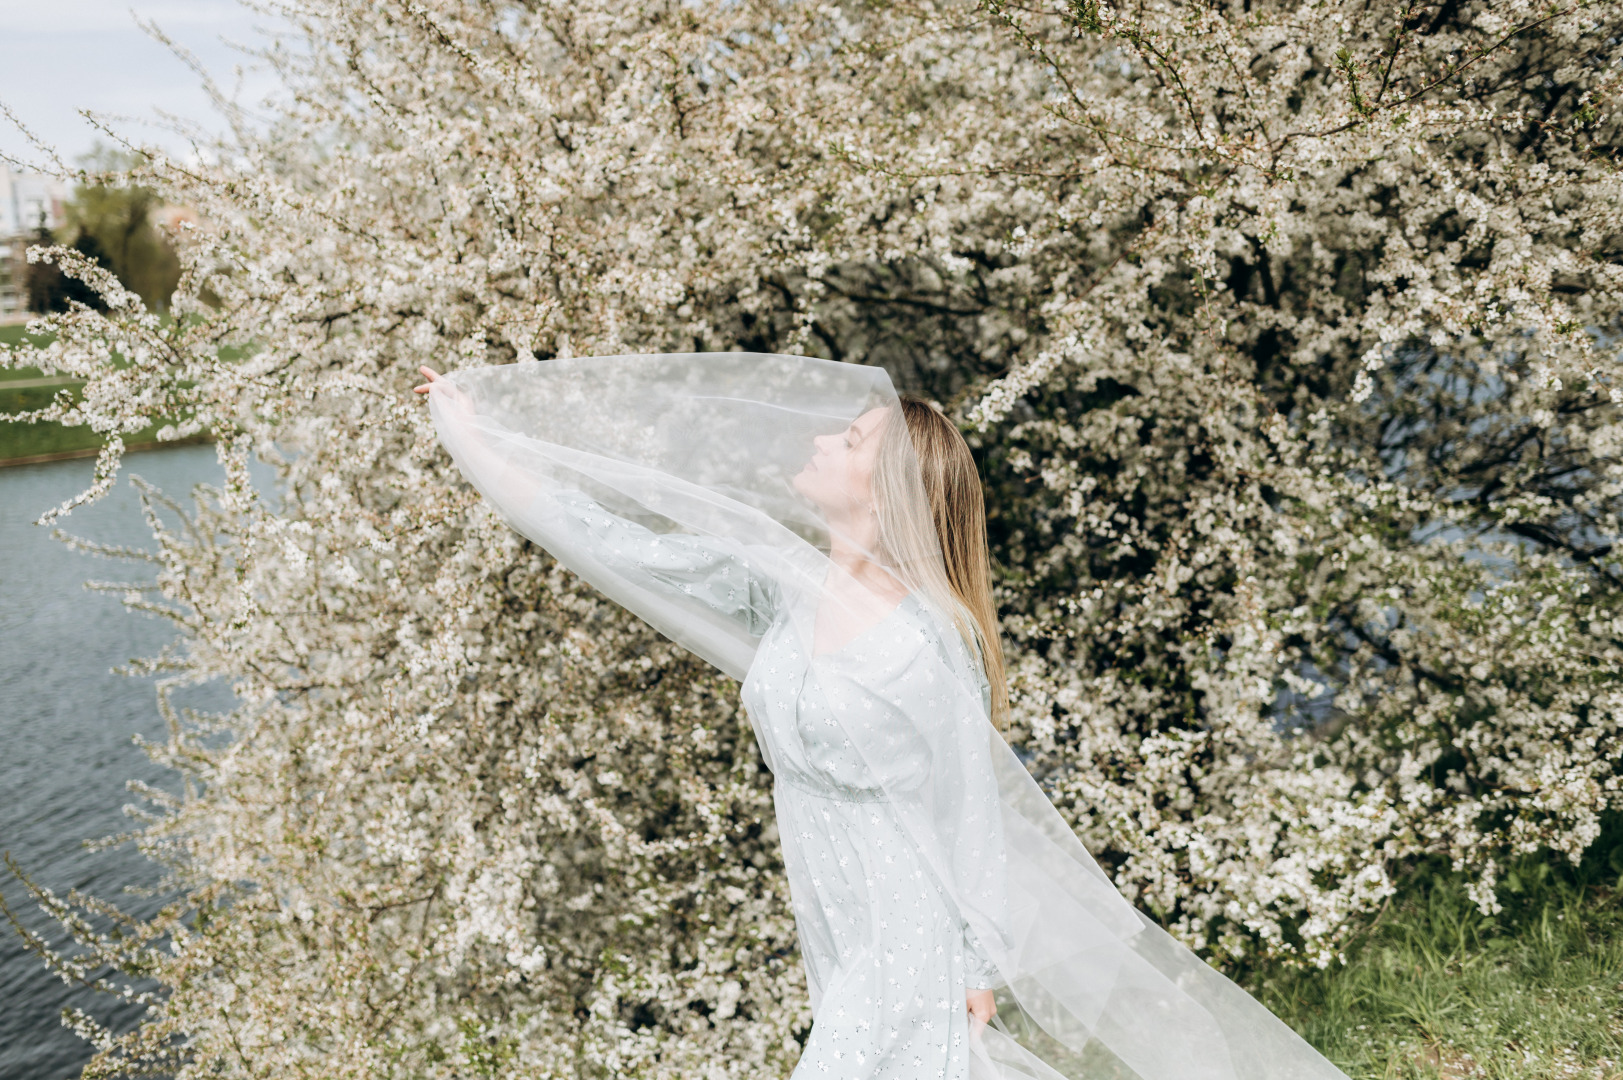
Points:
(1434, 989)
(24, 442)
(12, 334)
(22, 389)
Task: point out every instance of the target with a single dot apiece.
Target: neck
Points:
(851, 549)
(853, 560)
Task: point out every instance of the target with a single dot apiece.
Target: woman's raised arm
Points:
(703, 571)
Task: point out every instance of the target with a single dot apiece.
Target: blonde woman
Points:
(823, 541)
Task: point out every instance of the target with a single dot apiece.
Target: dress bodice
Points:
(799, 705)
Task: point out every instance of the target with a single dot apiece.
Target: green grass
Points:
(19, 440)
(28, 440)
(1435, 989)
(32, 440)
(12, 335)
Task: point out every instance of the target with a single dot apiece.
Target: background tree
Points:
(111, 221)
(49, 289)
(1312, 435)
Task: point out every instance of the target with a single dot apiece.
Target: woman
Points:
(797, 524)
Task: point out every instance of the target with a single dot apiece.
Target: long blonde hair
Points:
(958, 574)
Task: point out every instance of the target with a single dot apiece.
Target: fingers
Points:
(982, 1006)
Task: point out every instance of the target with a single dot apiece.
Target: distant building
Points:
(27, 201)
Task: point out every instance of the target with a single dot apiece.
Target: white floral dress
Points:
(887, 958)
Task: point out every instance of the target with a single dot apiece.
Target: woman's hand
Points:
(981, 1006)
(431, 375)
(458, 401)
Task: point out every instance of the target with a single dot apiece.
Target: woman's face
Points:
(839, 476)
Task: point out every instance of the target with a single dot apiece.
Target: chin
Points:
(805, 482)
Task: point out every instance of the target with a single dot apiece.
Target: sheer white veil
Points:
(711, 451)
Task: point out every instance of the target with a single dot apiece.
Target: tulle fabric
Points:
(701, 459)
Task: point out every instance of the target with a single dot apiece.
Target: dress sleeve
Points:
(710, 570)
(980, 972)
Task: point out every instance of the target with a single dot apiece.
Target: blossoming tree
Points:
(1287, 335)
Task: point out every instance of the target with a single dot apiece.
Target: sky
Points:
(59, 56)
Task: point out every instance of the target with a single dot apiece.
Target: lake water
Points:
(66, 729)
